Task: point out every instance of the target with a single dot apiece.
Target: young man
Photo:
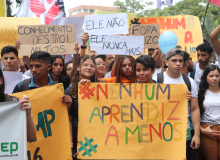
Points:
(187, 63)
(158, 57)
(40, 64)
(204, 54)
(151, 51)
(174, 62)
(10, 60)
(108, 60)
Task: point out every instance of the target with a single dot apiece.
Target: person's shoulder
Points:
(25, 77)
(67, 91)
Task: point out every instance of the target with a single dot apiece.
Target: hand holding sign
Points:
(167, 41)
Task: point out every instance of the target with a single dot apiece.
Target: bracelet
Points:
(83, 47)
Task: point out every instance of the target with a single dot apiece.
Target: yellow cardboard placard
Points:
(187, 29)
(132, 121)
(52, 122)
(2, 8)
(9, 29)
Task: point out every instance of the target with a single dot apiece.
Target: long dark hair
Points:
(75, 76)
(53, 59)
(2, 88)
(203, 86)
(119, 68)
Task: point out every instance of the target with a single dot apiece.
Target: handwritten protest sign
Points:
(51, 119)
(9, 29)
(11, 79)
(71, 20)
(106, 24)
(13, 135)
(54, 39)
(129, 15)
(117, 45)
(151, 33)
(187, 29)
(132, 121)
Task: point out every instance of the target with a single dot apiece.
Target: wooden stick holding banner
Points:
(117, 45)
(54, 39)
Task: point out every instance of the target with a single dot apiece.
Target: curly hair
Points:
(75, 75)
(145, 60)
(205, 47)
(119, 68)
(203, 86)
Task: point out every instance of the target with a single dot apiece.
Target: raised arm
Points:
(85, 39)
(115, 65)
(214, 39)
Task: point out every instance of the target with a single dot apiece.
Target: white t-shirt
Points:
(25, 77)
(28, 73)
(157, 70)
(180, 80)
(211, 106)
(198, 75)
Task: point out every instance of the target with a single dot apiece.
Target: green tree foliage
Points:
(186, 7)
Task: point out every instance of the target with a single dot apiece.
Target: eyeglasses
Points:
(98, 64)
(87, 65)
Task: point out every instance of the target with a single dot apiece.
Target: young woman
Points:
(122, 70)
(57, 71)
(69, 68)
(85, 72)
(100, 66)
(26, 105)
(144, 68)
(209, 103)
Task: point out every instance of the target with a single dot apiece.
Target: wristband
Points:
(83, 47)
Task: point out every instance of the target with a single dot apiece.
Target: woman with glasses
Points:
(100, 67)
(85, 72)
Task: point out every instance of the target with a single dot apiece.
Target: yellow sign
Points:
(52, 122)
(130, 15)
(2, 8)
(9, 29)
(187, 29)
(132, 121)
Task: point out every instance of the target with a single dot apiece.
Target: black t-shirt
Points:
(74, 108)
(66, 81)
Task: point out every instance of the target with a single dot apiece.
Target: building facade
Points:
(82, 10)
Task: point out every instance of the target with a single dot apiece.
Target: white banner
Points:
(47, 10)
(106, 24)
(117, 45)
(13, 135)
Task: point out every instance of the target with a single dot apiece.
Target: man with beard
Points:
(204, 54)
(188, 63)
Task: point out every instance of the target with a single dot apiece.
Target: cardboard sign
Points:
(109, 24)
(71, 20)
(187, 29)
(132, 121)
(51, 118)
(9, 29)
(54, 39)
(151, 33)
(11, 79)
(117, 45)
(13, 135)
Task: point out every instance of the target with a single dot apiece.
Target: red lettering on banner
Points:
(188, 37)
(37, 7)
(52, 13)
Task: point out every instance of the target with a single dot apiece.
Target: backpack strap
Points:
(192, 74)
(25, 84)
(187, 81)
(160, 77)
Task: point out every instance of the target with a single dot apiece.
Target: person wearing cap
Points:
(187, 63)
(174, 62)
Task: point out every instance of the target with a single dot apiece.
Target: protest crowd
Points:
(151, 66)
